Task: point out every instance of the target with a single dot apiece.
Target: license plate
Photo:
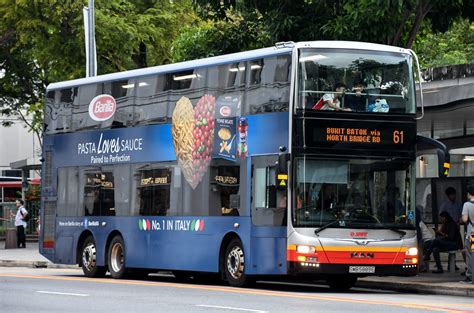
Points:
(361, 269)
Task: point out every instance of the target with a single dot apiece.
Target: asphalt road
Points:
(61, 290)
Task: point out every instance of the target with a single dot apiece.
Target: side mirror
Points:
(282, 171)
(283, 159)
(443, 163)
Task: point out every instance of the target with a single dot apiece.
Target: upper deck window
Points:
(355, 80)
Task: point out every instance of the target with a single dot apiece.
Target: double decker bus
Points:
(227, 165)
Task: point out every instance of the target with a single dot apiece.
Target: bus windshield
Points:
(355, 80)
(354, 193)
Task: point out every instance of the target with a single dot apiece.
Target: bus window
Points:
(153, 190)
(99, 194)
(124, 93)
(179, 80)
(151, 102)
(122, 189)
(269, 205)
(224, 190)
(58, 112)
(376, 82)
(68, 192)
(48, 126)
(368, 193)
(269, 85)
(80, 110)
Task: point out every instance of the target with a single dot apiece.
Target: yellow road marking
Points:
(242, 291)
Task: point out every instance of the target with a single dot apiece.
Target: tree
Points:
(43, 41)
(456, 46)
(217, 37)
(388, 22)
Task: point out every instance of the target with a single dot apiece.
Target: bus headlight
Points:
(412, 251)
(305, 249)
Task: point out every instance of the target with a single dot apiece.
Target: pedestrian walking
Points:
(20, 223)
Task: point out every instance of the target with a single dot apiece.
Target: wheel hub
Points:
(116, 257)
(235, 262)
(89, 256)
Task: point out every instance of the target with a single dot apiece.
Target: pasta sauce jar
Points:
(242, 148)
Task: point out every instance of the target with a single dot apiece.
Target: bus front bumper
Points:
(297, 268)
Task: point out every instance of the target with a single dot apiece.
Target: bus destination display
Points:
(360, 135)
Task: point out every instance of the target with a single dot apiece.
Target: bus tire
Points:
(341, 283)
(116, 258)
(89, 259)
(234, 265)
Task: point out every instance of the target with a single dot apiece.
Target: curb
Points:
(417, 288)
(34, 264)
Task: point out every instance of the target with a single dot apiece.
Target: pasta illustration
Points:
(193, 136)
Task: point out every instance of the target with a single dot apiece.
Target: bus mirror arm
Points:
(441, 150)
(283, 159)
(419, 84)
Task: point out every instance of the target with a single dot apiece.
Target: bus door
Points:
(269, 218)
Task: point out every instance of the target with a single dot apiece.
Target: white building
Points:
(17, 143)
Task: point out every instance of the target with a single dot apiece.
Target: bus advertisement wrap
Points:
(153, 143)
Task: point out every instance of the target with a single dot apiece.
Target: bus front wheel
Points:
(89, 259)
(234, 265)
(341, 283)
(116, 258)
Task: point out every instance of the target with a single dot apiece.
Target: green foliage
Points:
(456, 46)
(211, 38)
(388, 22)
(42, 41)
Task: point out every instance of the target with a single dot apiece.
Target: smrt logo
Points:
(359, 234)
(102, 107)
(144, 224)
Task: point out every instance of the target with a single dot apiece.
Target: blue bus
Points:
(297, 159)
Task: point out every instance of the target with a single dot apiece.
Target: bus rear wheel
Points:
(234, 265)
(116, 258)
(89, 259)
(341, 283)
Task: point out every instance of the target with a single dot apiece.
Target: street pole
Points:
(89, 33)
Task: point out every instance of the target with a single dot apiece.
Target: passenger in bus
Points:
(358, 102)
(331, 101)
(300, 200)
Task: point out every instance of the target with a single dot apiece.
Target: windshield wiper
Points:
(328, 225)
(398, 231)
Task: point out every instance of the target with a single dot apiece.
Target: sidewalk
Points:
(424, 283)
(28, 257)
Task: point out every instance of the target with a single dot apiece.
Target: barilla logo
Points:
(225, 111)
(102, 107)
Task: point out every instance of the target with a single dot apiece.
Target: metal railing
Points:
(6, 221)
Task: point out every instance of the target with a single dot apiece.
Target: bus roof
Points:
(175, 67)
(279, 49)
